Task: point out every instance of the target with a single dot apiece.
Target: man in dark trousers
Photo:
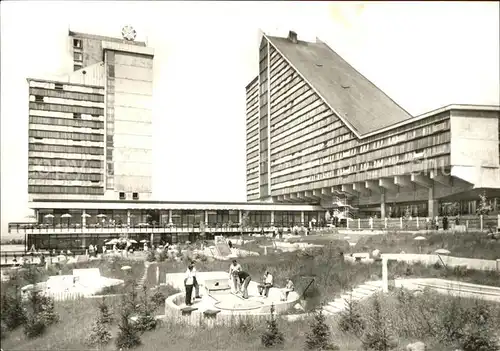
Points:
(244, 281)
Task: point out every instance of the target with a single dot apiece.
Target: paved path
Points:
(359, 293)
(142, 280)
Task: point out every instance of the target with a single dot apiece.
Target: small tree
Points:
(406, 217)
(146, 318)
(377, 336)
(351, 320)
(319, 336)
(100, 334)
(40, 314)
(128, 335)
(272, 337)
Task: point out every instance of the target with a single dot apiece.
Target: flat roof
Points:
(168, 205)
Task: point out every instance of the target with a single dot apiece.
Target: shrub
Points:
(158, 299)
(377, 336)
(34, 327)
(272, 337)
(351, 320)
(477, 335)
(104, 312)
(12, 311)
(319, 336)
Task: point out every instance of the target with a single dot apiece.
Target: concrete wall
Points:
(475, 151)
(450, 261)
(133, 138)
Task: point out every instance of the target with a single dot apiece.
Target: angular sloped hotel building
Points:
(319, 132)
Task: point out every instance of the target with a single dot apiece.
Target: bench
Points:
(187, 310)
(211, 313)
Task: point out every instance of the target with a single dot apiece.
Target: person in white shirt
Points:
(188, 284)
(288, 288)
(267, 283)
(195, 281)
(234, 268)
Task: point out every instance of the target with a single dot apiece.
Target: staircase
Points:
(359, 293)
(142, 280)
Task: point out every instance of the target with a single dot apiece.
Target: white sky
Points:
(423, 55)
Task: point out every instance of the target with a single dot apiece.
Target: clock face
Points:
(129, 33)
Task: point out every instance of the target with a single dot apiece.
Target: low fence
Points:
(450, 261)
(423, 223)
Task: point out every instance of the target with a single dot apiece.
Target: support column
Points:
(240, 216)
(433, 204)
(84, 219)
(169, 216)
(272, 218)
(206, 217)
(382, 204)
(385, 276)
(128, 218)
(302, 218)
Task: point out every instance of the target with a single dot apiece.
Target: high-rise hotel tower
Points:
(90, 131)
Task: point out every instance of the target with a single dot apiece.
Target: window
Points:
(77, 115)
(135, 196)
(58, 86)
(77, 43)
(95, 116)
(122, 195)
(76, 67)
(77, 56)
(39, 98)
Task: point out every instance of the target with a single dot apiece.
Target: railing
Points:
(18, 228)
(425, 223)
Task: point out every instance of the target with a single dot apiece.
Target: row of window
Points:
(316, 142)
(322, 121)
(312, 183)
(69, 190)
(59, 93)
(403, 153)
(286, 79)
(360, 151)
(59, 121)
(333, 170)
(314, 113)
(66, 149)
(296, 90)
(63, 162)
(93, 177)
(67, 108)
(66, 135)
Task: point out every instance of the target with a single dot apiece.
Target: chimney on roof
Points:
(292, 36)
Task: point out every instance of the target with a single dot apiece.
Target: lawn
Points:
(469, 244)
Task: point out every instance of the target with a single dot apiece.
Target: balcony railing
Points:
(24, 228)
